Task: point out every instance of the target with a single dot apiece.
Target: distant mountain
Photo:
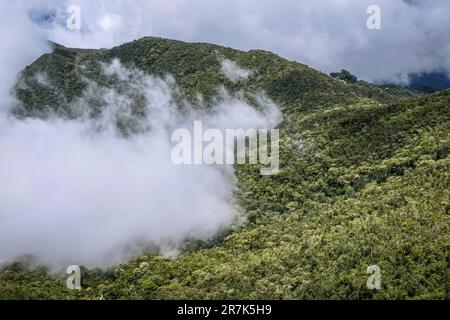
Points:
(429, 82)
(364, 181)
(418, 82)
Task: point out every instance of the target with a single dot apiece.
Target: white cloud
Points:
(78, 192)
(328, 35)
(233, 72)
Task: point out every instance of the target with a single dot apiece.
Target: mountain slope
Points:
(196, 68)
(364, 180)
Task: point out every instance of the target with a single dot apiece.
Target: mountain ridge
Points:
(294, 82)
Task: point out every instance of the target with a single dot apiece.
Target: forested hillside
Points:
(364, 179)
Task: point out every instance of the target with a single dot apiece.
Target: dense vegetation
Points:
(365, 179)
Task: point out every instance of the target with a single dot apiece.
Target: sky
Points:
(328, 35)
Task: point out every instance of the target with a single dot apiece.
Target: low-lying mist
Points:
(97, 190)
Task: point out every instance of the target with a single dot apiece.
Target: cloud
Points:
(21, 43)
(233, 72)
(327, 35)
(80, 192)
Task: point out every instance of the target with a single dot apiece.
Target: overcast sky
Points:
(326, 34)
